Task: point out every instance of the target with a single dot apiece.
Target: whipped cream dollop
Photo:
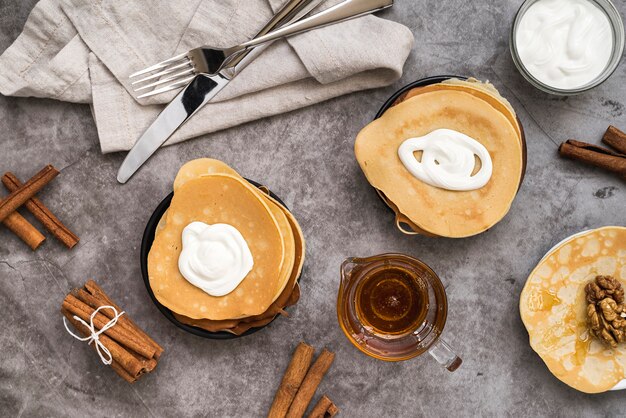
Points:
(447, 160)
(215, 258)
(564, 43)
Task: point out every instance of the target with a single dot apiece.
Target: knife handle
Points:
(291, 12)
(348, 9)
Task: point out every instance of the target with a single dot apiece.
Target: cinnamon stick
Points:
(594, 155)
(17, 224)
(132, 354)
(121, 372)
(124, 321)
(148, 364)
(325, 408)
(42, 213)
(22, 194)
(310, 383)
(95, 290)
(615, 138)
(122, 358)
(294, 375)
(96, 303)
(119, 334)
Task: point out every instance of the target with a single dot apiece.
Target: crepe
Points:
(289, 296)
(402, 220)
(203, 167)
(287, 291)
(484, 91)
(212, 199)
(238, 327)
(199, 167)
(466, 109)
(553, 309)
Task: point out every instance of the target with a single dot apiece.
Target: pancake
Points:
(490, 94)
(194, 169)
(437, 211)
(484, 91)
(402, 220)
(199, 167)
(202, 167)
(238, 327)
(285, 220)
(287, 292)
(288, 297)
(553, 309)
(212, 199)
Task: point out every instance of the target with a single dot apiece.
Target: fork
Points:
(207, 60)
(179, 70)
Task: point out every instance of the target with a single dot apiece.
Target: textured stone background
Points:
(306, 157)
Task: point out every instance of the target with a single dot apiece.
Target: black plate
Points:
(146, 244)
(436, 80)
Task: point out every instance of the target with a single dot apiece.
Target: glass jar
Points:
(421, 328)
(618, 48)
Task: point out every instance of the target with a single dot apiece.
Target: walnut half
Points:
(605, 306)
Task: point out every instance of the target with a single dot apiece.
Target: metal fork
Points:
(179, 70)
(207, 60)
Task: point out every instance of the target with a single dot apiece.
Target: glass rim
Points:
(617, 26)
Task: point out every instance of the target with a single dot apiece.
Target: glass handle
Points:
(444, 355)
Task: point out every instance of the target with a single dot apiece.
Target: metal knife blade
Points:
(201, 89)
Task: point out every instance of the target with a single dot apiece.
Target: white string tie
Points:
(95, 334)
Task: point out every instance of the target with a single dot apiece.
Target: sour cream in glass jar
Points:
(567, 45)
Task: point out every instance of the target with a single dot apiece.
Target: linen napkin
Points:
(83, 51)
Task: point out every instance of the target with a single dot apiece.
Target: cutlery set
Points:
(203, 72)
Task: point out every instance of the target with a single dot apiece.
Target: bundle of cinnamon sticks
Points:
(612, 160)
(299, 384)
(24, 195)
(133, 352)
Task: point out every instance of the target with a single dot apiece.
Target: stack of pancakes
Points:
(209, 191)
(473, 108)
(553, 308)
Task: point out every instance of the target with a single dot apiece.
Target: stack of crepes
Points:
(209, 191)
(471, 107)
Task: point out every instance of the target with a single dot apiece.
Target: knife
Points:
(199, 91)
(205, 86)
(193, 97)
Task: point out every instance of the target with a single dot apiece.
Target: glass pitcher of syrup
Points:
(393, 307)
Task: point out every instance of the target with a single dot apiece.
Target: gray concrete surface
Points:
(306, 157)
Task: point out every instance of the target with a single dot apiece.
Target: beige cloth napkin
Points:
(83, 51)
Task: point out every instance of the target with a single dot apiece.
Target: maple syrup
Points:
(393, 307)
(392, 301)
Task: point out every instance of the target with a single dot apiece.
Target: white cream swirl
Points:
(215, 258)
(447, 160)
